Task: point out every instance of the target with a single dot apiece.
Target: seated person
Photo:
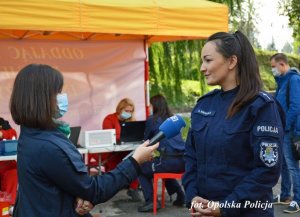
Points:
(124, 112)
(168, 159)
(8, 169)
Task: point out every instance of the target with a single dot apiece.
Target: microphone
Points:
(168, 129)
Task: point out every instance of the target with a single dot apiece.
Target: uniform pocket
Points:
(236, 129)
(236, 142)
(199, 139)
(199, 126)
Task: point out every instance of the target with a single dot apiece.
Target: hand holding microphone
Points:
(168, 129)
(144, 152)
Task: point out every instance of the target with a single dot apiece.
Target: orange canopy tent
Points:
(153, 20)
(108, 20)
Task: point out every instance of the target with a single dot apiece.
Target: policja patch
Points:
(269, 153)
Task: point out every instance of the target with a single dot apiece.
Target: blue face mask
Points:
(125, 115)
(151, 110)
(62, 104)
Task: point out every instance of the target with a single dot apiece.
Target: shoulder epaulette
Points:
(209, 94)
(267, 97)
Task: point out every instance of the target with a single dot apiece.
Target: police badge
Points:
(269, 153)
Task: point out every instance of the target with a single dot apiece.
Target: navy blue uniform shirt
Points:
(52, 174)
(234, 160)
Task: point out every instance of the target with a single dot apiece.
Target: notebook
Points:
(132, 132)
(75, 132)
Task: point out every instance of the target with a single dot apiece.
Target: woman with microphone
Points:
(51, 171)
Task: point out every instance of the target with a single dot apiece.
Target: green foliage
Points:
(245, 20)
(291, 8)
(272, 46)
(287, 48)
(192, 82)
(233, 5)
(175, 66)
(186, 129)
(172, 62)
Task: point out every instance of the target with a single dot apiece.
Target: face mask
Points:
(62, 104)
(275, 72)
(125, 115)
(151, 111)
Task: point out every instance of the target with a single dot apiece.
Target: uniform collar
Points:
(35, 131)
(230, 93)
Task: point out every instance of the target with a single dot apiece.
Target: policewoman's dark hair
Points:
(160, 107)
(33, 99)
(248, 76)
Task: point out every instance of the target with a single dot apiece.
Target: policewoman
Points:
(233, 150)
(168, 158)
(51, 171)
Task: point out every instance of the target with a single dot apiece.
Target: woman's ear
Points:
(232, 62)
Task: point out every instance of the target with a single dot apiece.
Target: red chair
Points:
(162, 176)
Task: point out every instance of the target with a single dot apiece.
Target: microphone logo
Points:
(174, 118)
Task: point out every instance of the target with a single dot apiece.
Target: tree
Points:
(245, 20)
(272, 46)
(170, 62)
(291, 8)
(287, 48)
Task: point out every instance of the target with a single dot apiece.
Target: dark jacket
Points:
(234, 160)
(52, 174)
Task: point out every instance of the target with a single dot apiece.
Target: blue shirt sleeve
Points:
(294, 107)
(66, 170)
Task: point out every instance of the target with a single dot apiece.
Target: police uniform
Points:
(234, 160)
(170, 160)
(52, 174)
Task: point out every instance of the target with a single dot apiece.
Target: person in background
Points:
(169, 157)
(52, 174)
(234, 145)
(8, 169)
(288, 80)
(124, 113)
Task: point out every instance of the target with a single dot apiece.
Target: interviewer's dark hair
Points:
(248, 76)
(33, 99)
(160, 107)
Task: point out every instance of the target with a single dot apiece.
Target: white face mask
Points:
(62, 104)
(275, 72)
(125, 115)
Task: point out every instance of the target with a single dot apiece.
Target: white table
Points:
(9, 157)
(111, 148)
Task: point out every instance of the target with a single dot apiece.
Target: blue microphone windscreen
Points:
(172, 126)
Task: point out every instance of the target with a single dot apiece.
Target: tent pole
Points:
(147, 83)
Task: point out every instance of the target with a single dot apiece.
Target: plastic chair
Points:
(162, 176)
